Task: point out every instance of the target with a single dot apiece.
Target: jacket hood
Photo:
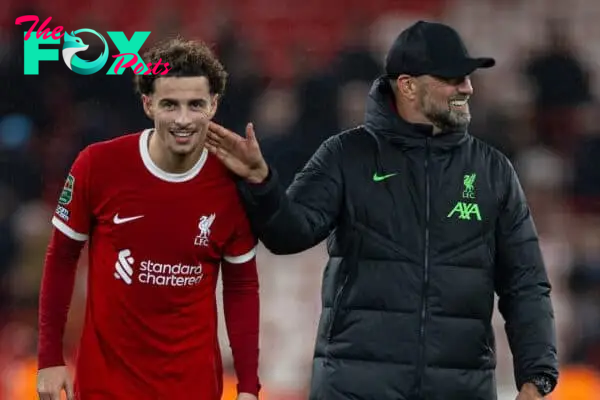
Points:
(382, 121)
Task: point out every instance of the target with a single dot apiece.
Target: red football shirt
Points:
(156, 241)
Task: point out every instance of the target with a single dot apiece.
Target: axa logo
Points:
(72, 44)
(204, 226)
(124, 266)
(467, 209)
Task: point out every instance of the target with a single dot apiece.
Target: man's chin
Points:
(459, 121)
(450, 122)
(183, 149)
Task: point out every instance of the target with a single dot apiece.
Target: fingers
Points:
(46, 394)
(214, 142)
(211, 148)
(250, 132)
(214, 139)
(53, 395)
(212, 145)
(219, 152)
(221, 137)
(218, 130)
(69, 390)
(52, 381)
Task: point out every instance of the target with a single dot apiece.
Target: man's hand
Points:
(52, 381)
(246, 396)
(240, 155)
(529, 392)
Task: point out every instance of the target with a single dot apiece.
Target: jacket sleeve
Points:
(296, 220)
(523, 288)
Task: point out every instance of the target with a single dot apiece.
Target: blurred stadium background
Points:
(300, 69)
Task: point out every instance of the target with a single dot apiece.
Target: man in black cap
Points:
(425, 224)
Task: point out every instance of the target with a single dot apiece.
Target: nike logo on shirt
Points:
(118, 220)
(379, 178)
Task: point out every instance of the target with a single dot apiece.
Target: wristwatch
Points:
(543, 384)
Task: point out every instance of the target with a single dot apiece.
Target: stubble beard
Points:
(443, 116)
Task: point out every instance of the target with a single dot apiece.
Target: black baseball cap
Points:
(430, 48)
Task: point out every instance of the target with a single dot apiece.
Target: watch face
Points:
(543, 385)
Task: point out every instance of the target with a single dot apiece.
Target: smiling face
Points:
(181, 108)
(182, 102)
(444, 102)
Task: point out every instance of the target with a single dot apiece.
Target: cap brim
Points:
(464, 67)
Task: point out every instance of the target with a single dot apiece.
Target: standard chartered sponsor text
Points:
(159, 274)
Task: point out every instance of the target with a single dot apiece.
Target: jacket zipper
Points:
(339, 294)
(336, 305)
(421, 370)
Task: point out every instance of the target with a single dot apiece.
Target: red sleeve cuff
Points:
(249, 388)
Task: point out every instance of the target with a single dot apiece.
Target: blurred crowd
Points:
(301, 74)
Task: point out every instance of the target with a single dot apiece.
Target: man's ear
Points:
(407, 87)
(214, 105)
(148, 106)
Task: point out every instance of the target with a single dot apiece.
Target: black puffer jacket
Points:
(422, 232)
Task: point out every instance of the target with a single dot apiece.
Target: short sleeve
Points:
(72, 215)
(241, 247)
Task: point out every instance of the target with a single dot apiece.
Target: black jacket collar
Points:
(383, 122)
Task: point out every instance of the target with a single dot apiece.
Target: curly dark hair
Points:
(185, 58)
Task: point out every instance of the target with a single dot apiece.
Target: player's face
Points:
(444, 102)
(181, 108)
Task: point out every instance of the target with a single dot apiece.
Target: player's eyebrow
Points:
(202, 101)
(167, 100)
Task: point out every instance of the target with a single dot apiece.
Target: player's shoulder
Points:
(488, 155)
(357, 137)
(118, 148)
(126, 142)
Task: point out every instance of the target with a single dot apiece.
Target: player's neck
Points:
(171, 162)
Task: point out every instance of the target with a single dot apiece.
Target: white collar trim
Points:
(163, 175)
